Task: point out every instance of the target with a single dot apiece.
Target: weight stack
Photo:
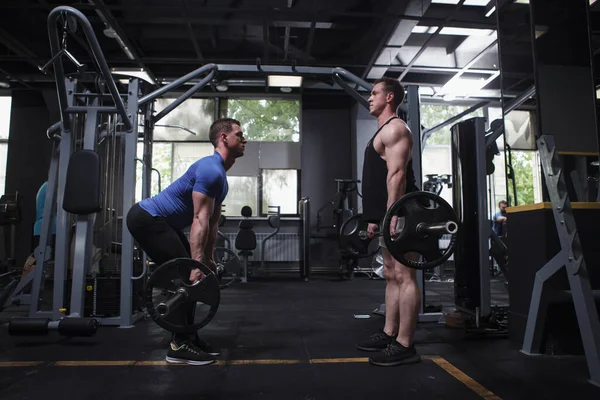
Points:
(470, 204)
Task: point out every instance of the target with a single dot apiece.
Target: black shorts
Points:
(156, 237)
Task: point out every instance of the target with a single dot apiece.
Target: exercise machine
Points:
(10, 216)
(274, 221)
(245, 240)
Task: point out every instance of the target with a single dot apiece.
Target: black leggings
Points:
(161, 243)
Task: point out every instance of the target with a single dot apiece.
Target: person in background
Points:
(499, 219)
(40, 202)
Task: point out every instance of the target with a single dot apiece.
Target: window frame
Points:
(264, 213)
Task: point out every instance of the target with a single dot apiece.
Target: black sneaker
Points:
(188, 354)
(205, 346)
(376, 342)
(395, 354)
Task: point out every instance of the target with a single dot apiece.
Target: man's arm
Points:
(200, 229)
(397, 142)
(213, 232)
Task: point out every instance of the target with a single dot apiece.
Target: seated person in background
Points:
(40, 201)
(499, 219)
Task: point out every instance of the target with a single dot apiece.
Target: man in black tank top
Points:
(387, 176)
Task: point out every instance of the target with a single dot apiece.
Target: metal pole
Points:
(126, 306)
(98, 58)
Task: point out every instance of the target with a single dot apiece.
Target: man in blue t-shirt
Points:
(499, 219)
(193, 200)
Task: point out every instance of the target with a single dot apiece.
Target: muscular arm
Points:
(200, 229)
(397, 141)
(209, 249)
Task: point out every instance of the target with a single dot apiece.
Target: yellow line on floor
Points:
(93, 363)
(260, 362)
(464, 378)
(121, 363)
(338, 360)
(5, 364)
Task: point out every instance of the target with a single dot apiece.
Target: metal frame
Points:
(127, 112)
(571, 258)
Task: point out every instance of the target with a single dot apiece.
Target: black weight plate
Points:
(229, 267)
(411, 210)
(354, 241)
(203, 294)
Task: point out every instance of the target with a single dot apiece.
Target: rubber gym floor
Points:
(286, 339)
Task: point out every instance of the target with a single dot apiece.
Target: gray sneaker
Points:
(188, 354)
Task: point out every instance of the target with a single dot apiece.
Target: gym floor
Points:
(286, 339)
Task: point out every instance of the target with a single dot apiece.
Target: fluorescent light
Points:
(424, 29)
(426, 91)
(453, 30)
(135, 72)
(284, 81)
(466, 3)
(490, 11)
(522, 1)
(462, 87)
(466, 31)
(4, 84)
(221, 87)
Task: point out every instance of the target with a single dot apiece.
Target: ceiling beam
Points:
(374, 41)
(101, 7)
(10, 76)
(191, 32)
(18, 48)
(434, 35)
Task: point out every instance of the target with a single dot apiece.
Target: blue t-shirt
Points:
(497, 226)
(40, 200)
(175, 204)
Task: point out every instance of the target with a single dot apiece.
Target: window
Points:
(5, 107)
(265, 120)
(435, 114)
(185, 154)
(242, 192)
(193, 115)
(280, 188)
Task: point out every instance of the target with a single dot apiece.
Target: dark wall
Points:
(326, 155)
(326, 150)
(28, 160)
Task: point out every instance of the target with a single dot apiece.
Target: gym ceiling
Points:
(423, 42)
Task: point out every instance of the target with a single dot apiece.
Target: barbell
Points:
(169, 291)
(423, 220)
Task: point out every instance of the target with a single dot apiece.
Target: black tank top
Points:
(374, 182)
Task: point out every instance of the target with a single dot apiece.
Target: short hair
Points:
(394, 86)
(221, 125)
(502, 202)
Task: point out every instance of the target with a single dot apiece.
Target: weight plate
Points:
(354, 242)
(411, 210)
(229, 267)
(203, 296)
